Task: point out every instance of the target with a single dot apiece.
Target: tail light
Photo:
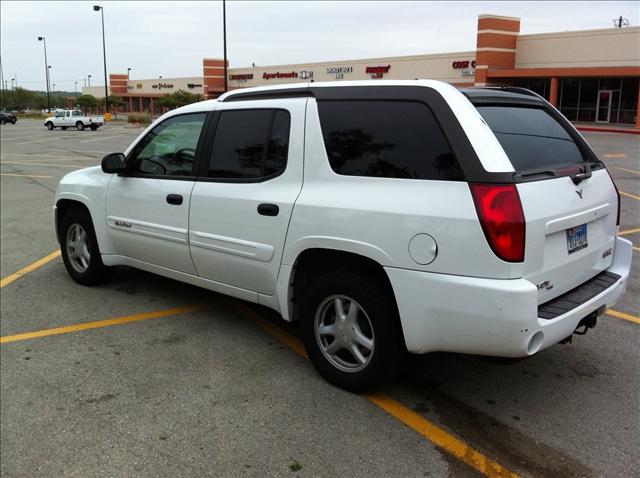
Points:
(500, 212)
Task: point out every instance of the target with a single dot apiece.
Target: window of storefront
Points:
(538, 85)
(601, 100)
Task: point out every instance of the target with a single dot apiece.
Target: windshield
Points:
(531, 137)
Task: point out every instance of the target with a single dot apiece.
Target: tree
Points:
(177, 99)
(86, 101)
(115, 101)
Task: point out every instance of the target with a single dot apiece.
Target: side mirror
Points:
(114, 163)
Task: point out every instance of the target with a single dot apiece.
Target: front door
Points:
(242, 203)
(603, 109)
(148, 207)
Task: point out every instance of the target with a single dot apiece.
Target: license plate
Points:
(577, 238)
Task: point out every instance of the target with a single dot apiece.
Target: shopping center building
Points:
(592, 76)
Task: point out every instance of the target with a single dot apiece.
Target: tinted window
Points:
(531, 138)
(250, 144)
(386, 139)
(170, 148)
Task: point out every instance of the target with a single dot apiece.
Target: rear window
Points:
(386, 139)
(531, 137)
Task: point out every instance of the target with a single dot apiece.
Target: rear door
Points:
(242, 202)
(568, 198)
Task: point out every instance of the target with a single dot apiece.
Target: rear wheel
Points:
(79, 125)
(50, 125)
(351, 331)
(14, 120)
(80, 251)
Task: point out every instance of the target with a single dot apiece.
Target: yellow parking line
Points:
(630, 195)
(101, 138)
(635, 248)
(101, 323)
(615, 155)
(26, 176)
(436, 435)
(43, 164)
(629, 231)
(627, 170)
(622, 315)
(31, 267)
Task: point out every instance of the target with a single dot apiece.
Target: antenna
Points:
(620, 22)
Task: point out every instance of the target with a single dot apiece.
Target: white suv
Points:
(384, 217)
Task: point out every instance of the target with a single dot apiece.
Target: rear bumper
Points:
(494, 317)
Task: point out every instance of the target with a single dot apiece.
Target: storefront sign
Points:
(192, 86)
(377, 71)
(458, 65)
(241, 77)
(270, 76)
(306, 75)
(138, 86)
(161, 86)
(339, 71)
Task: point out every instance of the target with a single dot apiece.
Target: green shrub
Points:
(144, 118)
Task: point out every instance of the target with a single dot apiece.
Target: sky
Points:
(169, 39)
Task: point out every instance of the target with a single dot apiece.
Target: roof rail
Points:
(303, 91)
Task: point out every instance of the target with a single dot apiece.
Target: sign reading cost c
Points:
(458, 65)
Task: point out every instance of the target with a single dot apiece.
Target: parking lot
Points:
(145, 376)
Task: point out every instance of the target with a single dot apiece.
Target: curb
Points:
(608, 130)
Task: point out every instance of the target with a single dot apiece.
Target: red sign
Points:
(458, 65)
(378, 69)
(243, 77)
(269, 76)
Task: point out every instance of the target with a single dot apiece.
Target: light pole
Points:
(46, 71)
(75, 88)
(89, 80)
(12, 80)
(54, 88)
(224, 40)
(98, 8)
(128, 71)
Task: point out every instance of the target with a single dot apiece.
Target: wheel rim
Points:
(77, 245)
(344, 333)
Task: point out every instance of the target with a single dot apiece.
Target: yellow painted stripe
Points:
(439, 437)
(31, 267)
(628, 170)
(101, 323)
(24, 163)
(622, 315)
(633, 196)
(629, 231)
(436, 435)
(26, 176)
(615, 155)
(635, 248)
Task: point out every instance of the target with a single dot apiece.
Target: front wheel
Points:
(79, 125)
(50, 126)
(80, 251)
(93, 127)
(14, 121)
(351, 330)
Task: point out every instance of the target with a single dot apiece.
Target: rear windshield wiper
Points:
(579, 177)
(534, 172)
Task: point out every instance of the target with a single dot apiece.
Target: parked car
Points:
(383, 217)
(8, 118)
(73, 119)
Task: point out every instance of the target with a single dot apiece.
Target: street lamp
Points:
(128, 71)
(98, 8)
(89, 80)
(46, 71)
(54, 88)
(12, 80)
(75, 88)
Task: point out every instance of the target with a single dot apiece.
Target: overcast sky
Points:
(170, 38)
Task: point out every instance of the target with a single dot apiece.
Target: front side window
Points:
(250, 144)
(76, 113)
(386, 139)
(60, 115)
(170, 148)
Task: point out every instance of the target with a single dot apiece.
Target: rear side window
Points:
(386, 139)
(250, 144)
(531, 137)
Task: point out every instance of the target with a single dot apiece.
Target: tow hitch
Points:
(589, 322)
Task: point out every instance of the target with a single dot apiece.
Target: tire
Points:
(375, 320)
(79, 125)
(50, 126)
(82, 259)
(14, 120)
(93, 127)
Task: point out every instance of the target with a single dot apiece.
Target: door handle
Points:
(267, 209)
(175, 199)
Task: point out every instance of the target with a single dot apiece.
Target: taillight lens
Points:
(502, 219)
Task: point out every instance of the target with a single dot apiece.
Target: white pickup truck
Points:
(73, 118)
